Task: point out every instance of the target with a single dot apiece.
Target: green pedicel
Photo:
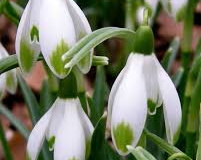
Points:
(123, 136)
(26, 57)
(144, 40)
(56, 60)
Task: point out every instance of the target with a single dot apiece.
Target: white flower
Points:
(67, 129)
(142, 84)
(175, 8)
(51, 27)
(8, 80)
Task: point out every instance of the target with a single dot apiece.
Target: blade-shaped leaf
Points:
(100, 149)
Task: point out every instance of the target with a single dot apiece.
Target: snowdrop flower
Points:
(141, 87)
(51, 27)
(8, 80)
(175, 8)
(67, 129)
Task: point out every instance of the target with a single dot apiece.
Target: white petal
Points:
(114, 89)
(35, 13)
(26, 50)
(70, 138)
(37, 136)
(87, 126)
(152, 88)
(140, 15)
(3, 52)
(171, 105)
(56, 119)
(129, 107)
(57, 34)
(2, 85)
(82, 28)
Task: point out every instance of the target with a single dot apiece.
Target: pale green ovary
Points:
(123, 136)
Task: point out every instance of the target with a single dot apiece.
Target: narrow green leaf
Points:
(4, 144)
(2, 5)
(99, 92)
(178, 77)
(100, 149)
(171, 54)
(14, 121)
(163, 144)
(46, 97)
(30, 99)
(198, 155)
(13, 11)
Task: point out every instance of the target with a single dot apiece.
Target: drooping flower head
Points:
(141, 87)
(8, 80)
(66, 127)
(51, 27)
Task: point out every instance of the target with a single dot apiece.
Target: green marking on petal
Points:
(151, 106)
(10, 80)
(26, 56)
(34, 33)
(73, 158)
(51, 143)
(123, 136)
(56, 60)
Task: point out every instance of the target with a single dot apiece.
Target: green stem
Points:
(68, 87)
(198, 156)
(129, 13)
(4, 144)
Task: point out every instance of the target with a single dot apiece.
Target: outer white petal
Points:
(55, 121)
(87, 126)
(115, 88)
(140, 15)
(171, 105)
(37, 136)
(35, 13)
(150, 74)
(82, 28)
(70, 138)
(57, 34)
(9, 80)
(129, 107)
(26, 50)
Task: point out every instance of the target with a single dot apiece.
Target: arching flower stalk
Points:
(8, 80)
(51, 27)
(141, 87)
